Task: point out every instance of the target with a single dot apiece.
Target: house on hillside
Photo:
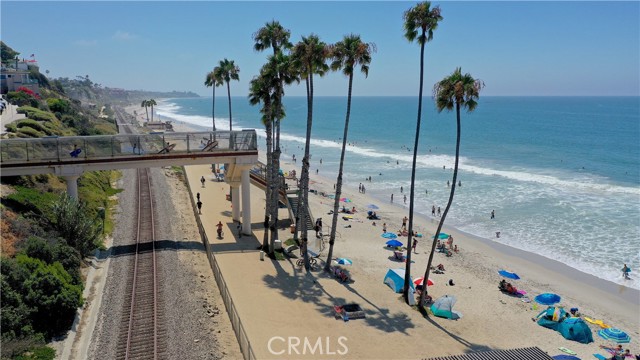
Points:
(14, 75)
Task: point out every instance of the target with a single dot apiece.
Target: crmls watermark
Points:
(294, 345)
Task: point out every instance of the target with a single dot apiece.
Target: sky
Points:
(544, 48)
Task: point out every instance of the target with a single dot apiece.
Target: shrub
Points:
(76, 225)
(32, 124)
(30, 132)
(58, 105)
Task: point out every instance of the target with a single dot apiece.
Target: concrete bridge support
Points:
(72, 186)
(246, 202)
(235, 201)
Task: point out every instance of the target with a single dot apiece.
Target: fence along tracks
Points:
(141, 333)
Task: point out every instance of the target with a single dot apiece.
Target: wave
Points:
(582, 182)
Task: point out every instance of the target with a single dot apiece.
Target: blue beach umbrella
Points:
(547, 299)
(389, 235)
(509, 275)
(372, 207)
(443, 236)
(344, 261)
(394, 243)
(615, 335)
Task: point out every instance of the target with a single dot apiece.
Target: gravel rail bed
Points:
(197, 326)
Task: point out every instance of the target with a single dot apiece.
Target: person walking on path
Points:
(202, 180)
(198, 196)
(493, 214)
(199, 203)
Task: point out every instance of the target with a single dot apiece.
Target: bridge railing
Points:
(82, 148)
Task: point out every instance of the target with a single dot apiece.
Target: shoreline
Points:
(504, 320)
(626, 293)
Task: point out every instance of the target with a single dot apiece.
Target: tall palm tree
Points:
(310, 57)
(152, 103)
(346, 55)
(260, 92)
(419, 23)
(229, 71)
(213, 81)
(145, 105)
(461, 91)
(274, 35)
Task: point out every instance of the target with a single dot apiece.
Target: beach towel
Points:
(598, 356)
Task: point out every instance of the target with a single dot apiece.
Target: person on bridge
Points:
(202, 180)
(199, 203)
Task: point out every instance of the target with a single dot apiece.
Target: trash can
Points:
(293, 228)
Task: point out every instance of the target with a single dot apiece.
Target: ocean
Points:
(561, 173)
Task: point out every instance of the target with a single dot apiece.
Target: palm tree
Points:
(260, 92)
(310, 56)
(145, 105)
(213, 81)
(460, 91)
(419, 22)
(229, 71)
(152, 103)
(274, 35)
(347, 55)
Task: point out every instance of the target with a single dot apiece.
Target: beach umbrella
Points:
(347, 200)
(389, 235)
(615, 335)
(420, 281)
(372, 207)
(394, 243)
(442, 236)
(344, 261)
(547, 299)
(565, 357)
(509, 275)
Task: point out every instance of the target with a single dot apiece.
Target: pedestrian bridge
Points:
(71, 156)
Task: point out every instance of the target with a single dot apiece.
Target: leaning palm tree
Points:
(145, 105)
(213, 81)
(460, 91)
(273, 35)
(260, 92)
(347, 55)
(152, 103)
(310, 56)
(419, 23)
(229, 71)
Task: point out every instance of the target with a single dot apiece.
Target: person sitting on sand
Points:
(353, 210)
(574, 312)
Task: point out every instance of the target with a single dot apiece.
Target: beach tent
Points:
(395, 280)
(443, 307)
(575, 329)
(551, 317)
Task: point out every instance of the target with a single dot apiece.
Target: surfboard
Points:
(568, 351)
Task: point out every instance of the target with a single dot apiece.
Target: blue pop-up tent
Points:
(576, 329)
(395, 280)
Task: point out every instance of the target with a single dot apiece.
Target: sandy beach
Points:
(281, 306)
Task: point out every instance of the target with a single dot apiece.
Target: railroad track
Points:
(142, 329)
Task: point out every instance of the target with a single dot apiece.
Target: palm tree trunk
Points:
(336, 203)
(297, 214)
(146, 109)
(213, 107)
(267, 189)
(304, 177)
(229, 97)
(152, 112)
(446, 210)
(275, 182)
(407, 275)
